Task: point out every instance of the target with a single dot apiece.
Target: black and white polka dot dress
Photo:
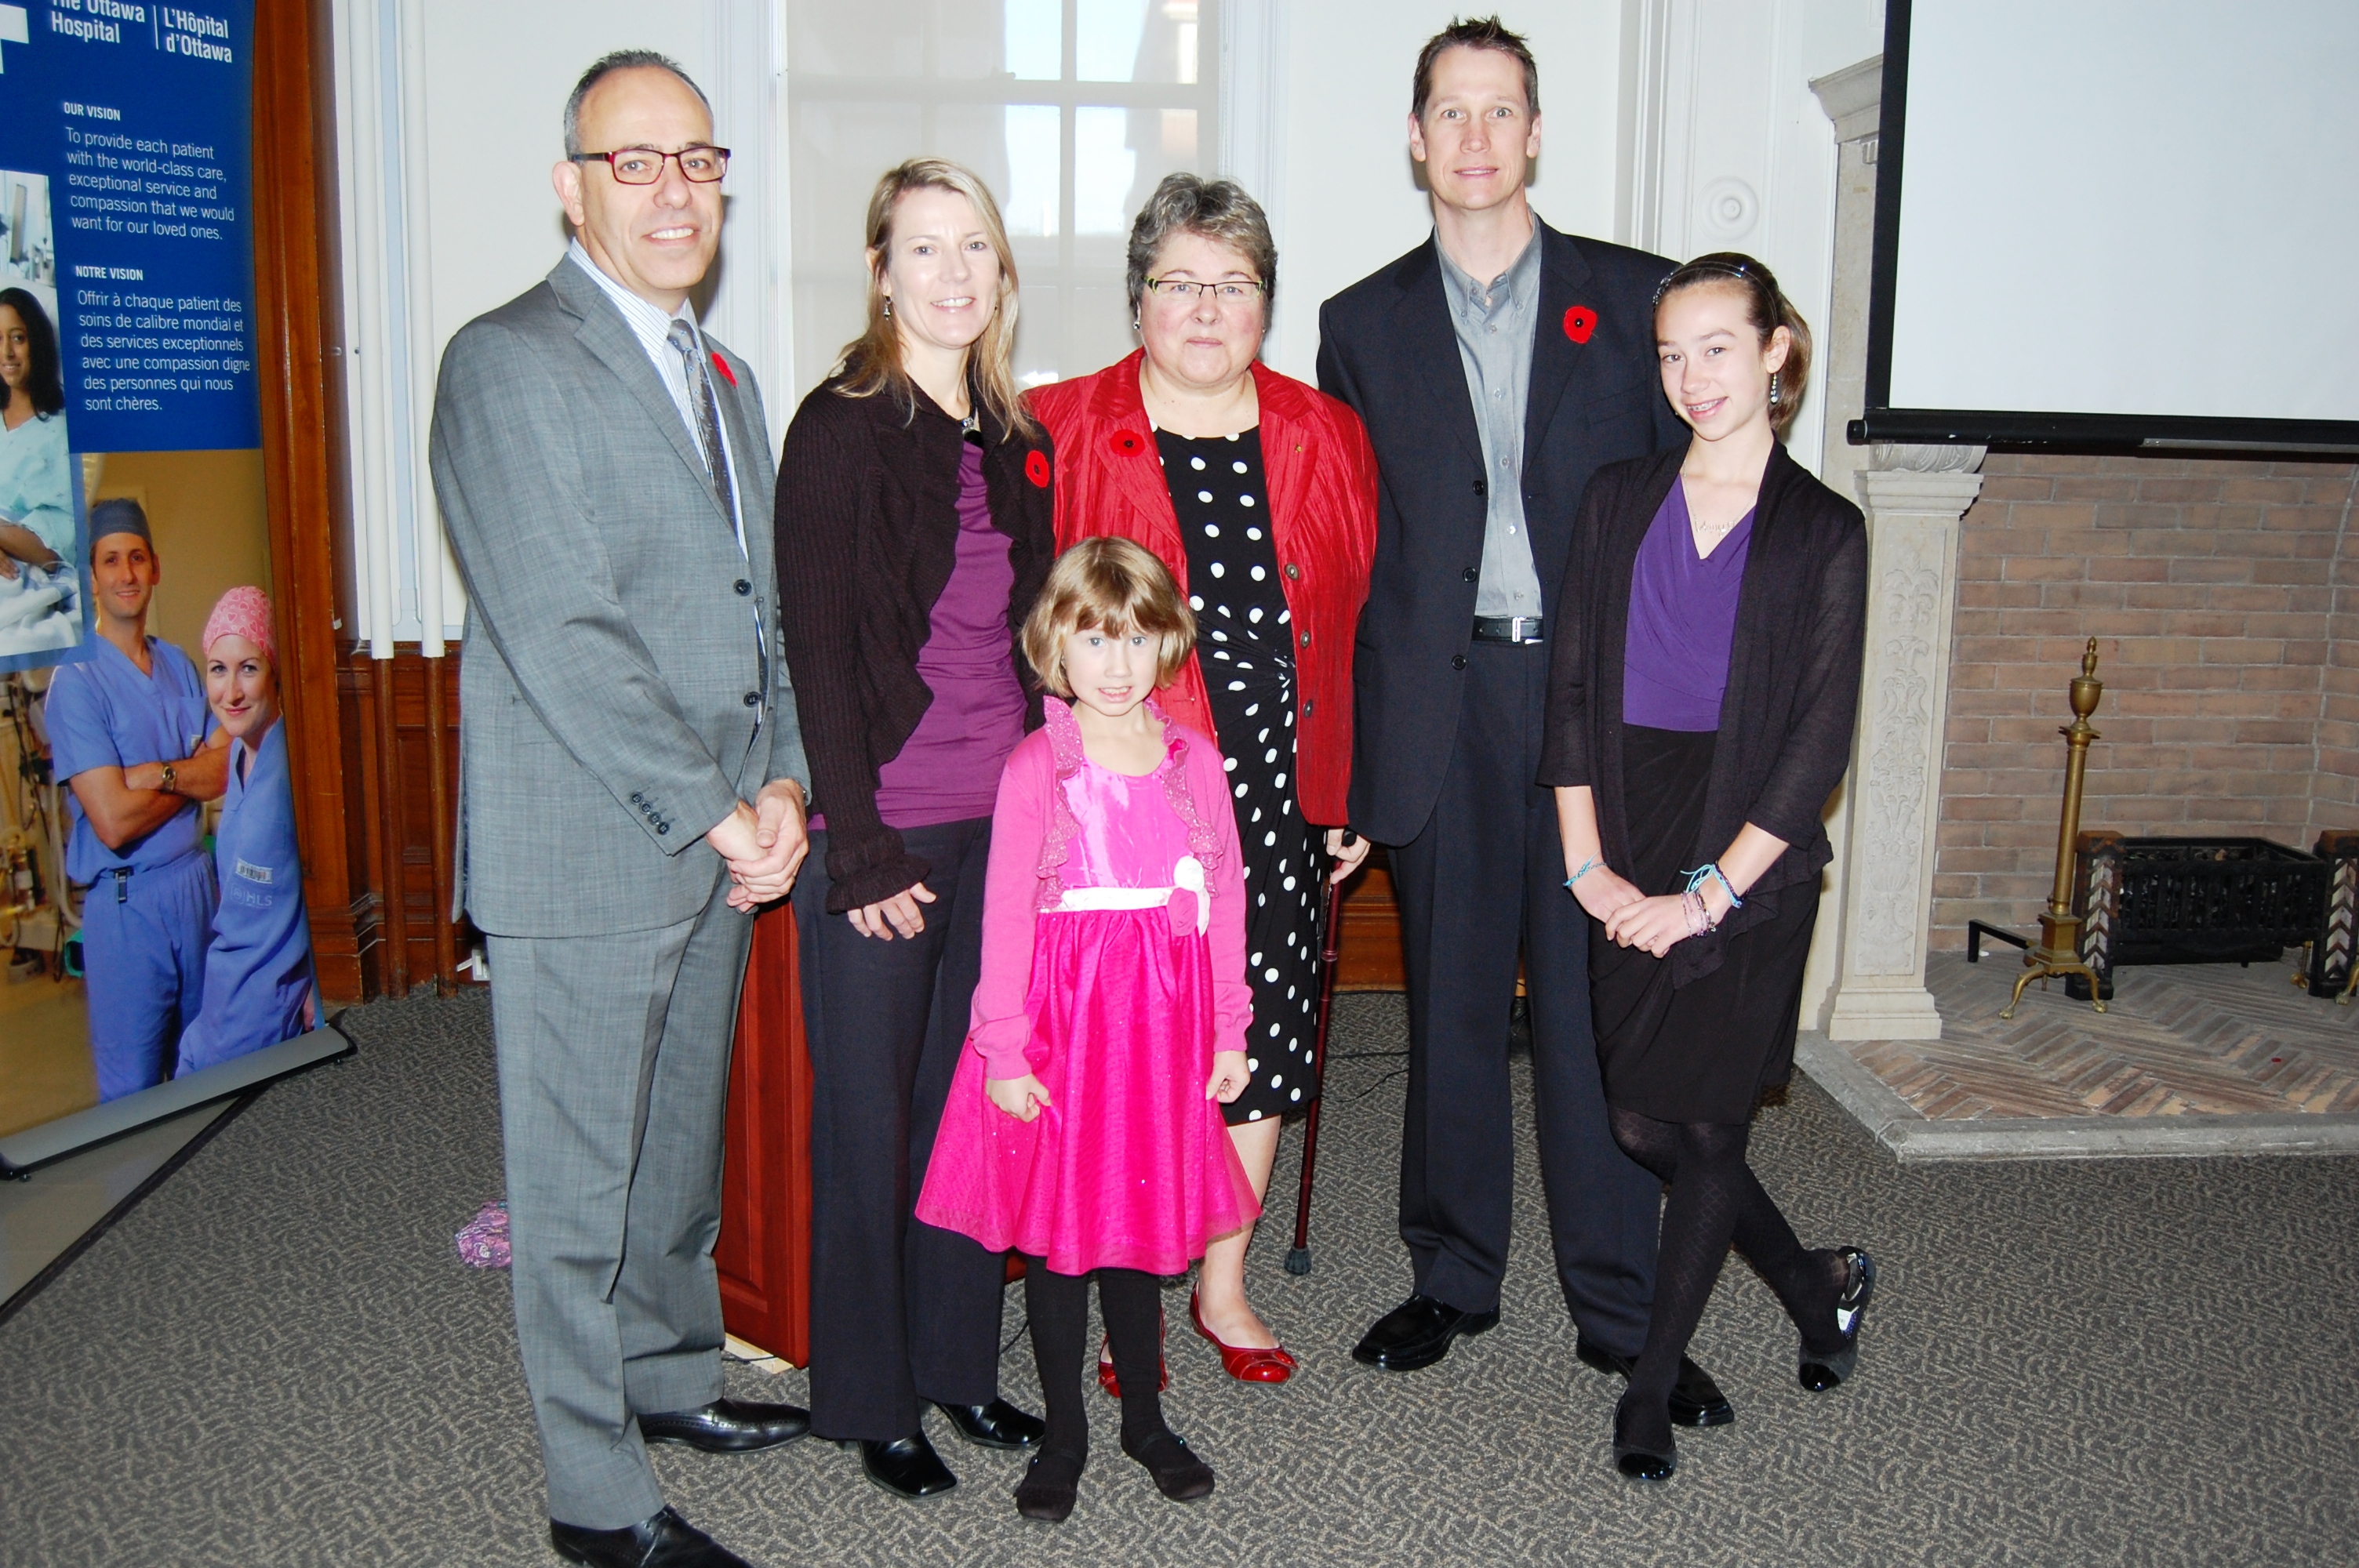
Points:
(1245, 644)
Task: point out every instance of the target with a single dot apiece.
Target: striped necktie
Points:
(682, 338)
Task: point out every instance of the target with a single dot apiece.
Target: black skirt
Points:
(1706, 1050)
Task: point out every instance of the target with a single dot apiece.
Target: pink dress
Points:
(1113, 969)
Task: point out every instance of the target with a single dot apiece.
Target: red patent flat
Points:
(1246, 1364)
(1112, 1385)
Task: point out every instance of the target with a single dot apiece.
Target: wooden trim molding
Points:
(298, 316)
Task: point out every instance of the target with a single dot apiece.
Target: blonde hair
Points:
(1110, 585)
(871, 362)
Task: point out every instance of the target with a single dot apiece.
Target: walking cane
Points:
(1298, 1262)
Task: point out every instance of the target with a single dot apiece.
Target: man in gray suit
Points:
(633, 786)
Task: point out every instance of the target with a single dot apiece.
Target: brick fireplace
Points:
(2224, 597)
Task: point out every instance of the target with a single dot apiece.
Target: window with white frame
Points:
(1071, 110)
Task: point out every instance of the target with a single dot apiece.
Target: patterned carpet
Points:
(2176, 1040)
(277, 1359)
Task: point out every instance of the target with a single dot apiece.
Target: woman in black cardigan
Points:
(1700, 707)
(915, 529)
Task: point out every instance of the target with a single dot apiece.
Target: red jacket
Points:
(1322, 500)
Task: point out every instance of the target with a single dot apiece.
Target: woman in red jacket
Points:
(1259, 492)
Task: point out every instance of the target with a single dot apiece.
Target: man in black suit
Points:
(1497, 365)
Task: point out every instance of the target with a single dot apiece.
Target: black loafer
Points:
(995, 1425)
(907, 1467)
(1696, 1399)
(1417, 1334)
(662, 1540)
(1819, 1373)
(728, 1426)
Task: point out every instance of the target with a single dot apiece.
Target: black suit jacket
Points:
(1387, 347)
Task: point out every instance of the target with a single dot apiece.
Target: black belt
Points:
(1507, 628)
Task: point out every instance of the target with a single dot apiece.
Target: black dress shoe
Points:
(1417, 1334)
(907, 1467)
(1696, 1399)
(662, 1540)
(1819, 1373)
(1640, 1461)
(1178, 1473)
(728, 1426)
(1051, 1482)
(995, 1425)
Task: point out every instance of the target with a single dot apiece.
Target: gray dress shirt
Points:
(1495, 323)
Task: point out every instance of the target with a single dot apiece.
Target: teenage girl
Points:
(1084, 1128)
(1700, 714)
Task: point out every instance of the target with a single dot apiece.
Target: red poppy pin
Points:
(1579, 322)
(722, 366)
(1035, 469)
(1126, 443)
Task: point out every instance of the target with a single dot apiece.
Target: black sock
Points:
(1132, 1303)
(1059, 1306)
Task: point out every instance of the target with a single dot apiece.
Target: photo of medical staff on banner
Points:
(151, 899)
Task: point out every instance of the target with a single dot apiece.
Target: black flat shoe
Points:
(907, 1467)
(728, 1426)
(995, 1425)
(1640, 1462)
(1417, 1334)
(662, 1540)
(1178, 1473)
(1050, 1486)
(1819, 1373)
(1696, 1399)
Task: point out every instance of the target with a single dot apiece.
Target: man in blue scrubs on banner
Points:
(130, 733)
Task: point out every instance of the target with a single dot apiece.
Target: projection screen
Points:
(2117, 221)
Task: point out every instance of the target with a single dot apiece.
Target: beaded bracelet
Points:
(1587, 866)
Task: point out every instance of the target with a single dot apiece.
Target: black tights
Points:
(1059, 1305)
(1715, 1199)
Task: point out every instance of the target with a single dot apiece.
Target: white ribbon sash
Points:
(1188, 875)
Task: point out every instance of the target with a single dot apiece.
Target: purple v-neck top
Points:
(948, 769)
(1682, 620)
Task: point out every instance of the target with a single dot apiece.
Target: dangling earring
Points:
(1133, 323)
(888, 316)
(1773, 389)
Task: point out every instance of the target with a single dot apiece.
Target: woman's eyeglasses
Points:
(1228, 292)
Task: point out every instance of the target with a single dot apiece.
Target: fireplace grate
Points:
(2215, 901)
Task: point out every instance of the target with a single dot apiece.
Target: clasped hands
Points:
(764, 844)
(1632, 919)
(1024, 1098)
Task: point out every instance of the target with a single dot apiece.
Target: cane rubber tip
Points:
(1298, 1261)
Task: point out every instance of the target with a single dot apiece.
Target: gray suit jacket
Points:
(609, 681)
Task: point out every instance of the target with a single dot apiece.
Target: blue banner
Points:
(126, 155)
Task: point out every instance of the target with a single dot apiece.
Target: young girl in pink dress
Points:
(1083, 1129)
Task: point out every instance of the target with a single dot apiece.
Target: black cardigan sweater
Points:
(1793, 674)
(867, 527)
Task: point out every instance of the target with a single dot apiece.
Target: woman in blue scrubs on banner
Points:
(258, 986)
(130, 736)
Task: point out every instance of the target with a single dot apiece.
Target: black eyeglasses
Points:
(643, 166)
(1227, 292)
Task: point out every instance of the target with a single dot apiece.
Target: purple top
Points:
(948, 769)
(1682, 620)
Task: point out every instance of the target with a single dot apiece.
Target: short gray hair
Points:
(621, 60)
(1218, 210)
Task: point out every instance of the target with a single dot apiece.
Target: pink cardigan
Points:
(1023, 878)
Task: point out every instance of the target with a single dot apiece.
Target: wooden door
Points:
(764, 1252)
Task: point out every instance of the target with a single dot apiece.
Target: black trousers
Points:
(1485, 874)
(900, 1310)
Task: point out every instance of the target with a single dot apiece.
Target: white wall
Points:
(1351, 200)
